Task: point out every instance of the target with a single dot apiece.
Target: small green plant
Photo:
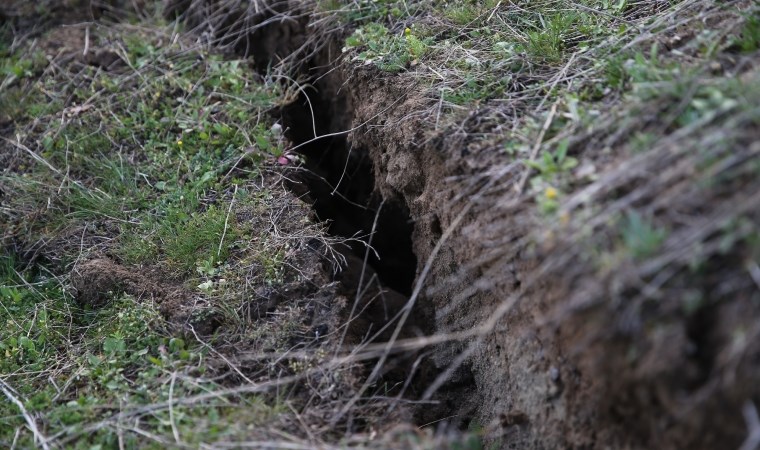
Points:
(19, 66)
(551, 164)
(708, 102)
(387, 51)
(548, 44)
(476, 87)
(748, 39)
(547, 197)
(640, 238)
(615, 73)
(651, 77)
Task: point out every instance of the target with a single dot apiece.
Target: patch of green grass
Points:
(146, 151)
(364, 11)
(709, 102)
(748, 38)
(468, 12)
(476, 88)
(548, 44)
(31, 313)
(181, 237)
(188, 240)
(18, 99)
(390, 52)
(614, 71)
(74, 368)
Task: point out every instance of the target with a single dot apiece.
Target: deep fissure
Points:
(340, 185)
(339, 182)
(338, 179)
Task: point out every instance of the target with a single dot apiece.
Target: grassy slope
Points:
(128, 161)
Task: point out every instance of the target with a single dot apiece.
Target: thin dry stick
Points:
(86, 41)
(226, 222)
(496, 8)
(37, 157)
(38, 436)
(753, 427)
(175, 432)
(537, 146)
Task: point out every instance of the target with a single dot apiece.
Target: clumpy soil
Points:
(95, 279)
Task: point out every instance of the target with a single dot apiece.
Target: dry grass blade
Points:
(40, 439)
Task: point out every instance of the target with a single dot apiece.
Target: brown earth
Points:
(94, 279)
(571, 365)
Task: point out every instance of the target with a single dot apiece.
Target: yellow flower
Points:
(407, 31)
(551, 193)
(179, 143)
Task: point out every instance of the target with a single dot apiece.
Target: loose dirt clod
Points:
(96, 280)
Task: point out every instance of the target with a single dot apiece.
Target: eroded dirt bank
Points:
(558, 337)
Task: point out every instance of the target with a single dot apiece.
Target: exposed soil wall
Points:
(588, 373)
(568, 367)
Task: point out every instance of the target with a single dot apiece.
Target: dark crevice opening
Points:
(339, 183)
(338, 180)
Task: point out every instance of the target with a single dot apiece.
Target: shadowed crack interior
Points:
(340, 185)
